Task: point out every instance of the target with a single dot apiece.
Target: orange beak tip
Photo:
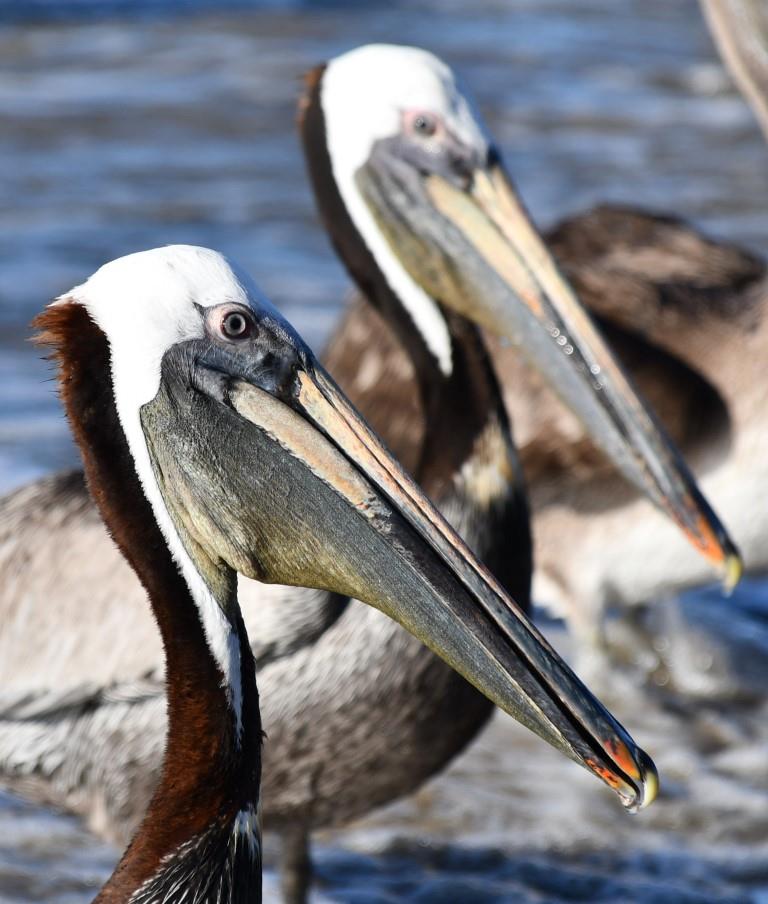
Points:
(720, 550)
(643, 787)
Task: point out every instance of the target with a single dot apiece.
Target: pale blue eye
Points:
(235, 325)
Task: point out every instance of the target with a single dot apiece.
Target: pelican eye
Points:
(425, 125)
(236, 325)
(421, 123)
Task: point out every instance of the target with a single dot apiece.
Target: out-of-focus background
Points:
(126, 124)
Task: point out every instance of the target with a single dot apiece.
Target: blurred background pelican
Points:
(133, 124)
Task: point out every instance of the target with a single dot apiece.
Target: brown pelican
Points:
(419, 208)
(687, 317)
(214, 443)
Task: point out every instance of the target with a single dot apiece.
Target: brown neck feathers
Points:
(209, 775)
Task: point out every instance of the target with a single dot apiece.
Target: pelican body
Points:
(417, 204)
(214, 443)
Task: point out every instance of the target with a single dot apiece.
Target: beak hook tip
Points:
(733, 571)
(649, 782)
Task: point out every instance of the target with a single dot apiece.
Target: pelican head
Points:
(253, 462)
(417, 177)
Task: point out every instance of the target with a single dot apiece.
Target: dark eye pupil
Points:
(425, 125)
(235, 324)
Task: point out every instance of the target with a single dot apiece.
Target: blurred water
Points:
(131, 124)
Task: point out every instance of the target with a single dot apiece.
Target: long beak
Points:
(492, 265)
(387, 545)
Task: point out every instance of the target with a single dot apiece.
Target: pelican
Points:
(214, 444)
(687, 316)
(418, 206)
